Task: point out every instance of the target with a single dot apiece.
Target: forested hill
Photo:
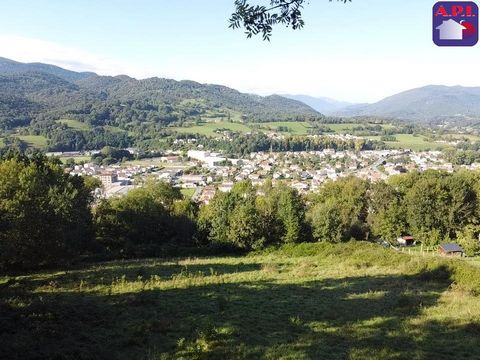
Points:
(9, 67)
(41, 92)
(429, 104)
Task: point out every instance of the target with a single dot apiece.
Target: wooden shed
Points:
(406, 241)
(450, 250)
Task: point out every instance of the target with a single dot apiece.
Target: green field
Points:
(295, 128)
(187, 193)
(310, 301)
(113, 129)
(35, 141)
(209, 128)
(78, 159)
(409, 141)
(74, 124)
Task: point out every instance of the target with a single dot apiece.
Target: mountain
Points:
(9, 67)
(76, 111)
(429, 104)
(55, 90)
(323, 105)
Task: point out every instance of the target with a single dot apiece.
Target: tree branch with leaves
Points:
(260, 19)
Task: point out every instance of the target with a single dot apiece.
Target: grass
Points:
(209, 128)
(295, 128)
(309, 301)
(409, 141)
(35, 141)
(187, 193)
(78, 159)
(75, 124)
(114, 129)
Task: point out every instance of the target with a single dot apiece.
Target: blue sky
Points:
(360, 52)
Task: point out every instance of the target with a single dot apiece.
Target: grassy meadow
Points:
(209, 127)
(34, 141)
(309, 301)
(75, 124)
(410, 141)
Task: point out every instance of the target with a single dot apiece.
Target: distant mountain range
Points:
(41, 90)
(429, 104)
(11, 67)
(323, 105)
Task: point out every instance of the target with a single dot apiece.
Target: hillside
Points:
(323, 105)
(119, 110)
(9, 67)
(59, 92)
(429, 104)
(310, 301)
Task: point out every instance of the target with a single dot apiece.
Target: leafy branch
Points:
(259, 19)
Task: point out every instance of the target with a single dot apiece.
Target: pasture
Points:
(75, 124)
(411, 141)
(308, 301)
(34, 141)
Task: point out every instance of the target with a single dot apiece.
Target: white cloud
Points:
(26, 49)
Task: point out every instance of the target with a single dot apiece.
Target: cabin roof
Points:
(451, 248)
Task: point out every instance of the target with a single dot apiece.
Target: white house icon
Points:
(451, 30)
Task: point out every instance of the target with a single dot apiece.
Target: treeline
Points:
(464, 153)
(240, 144)
(50, 218)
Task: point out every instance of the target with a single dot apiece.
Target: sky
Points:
(361, 51)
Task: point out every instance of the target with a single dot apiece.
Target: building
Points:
(450, 250)
(406, 241)
(108, 178)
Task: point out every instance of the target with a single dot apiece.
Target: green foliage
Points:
(260, 19)
(121, 111)
(45, 213)
(341, 208)
(469, 239)
(143, 221)
(109, 155)
(246, 220)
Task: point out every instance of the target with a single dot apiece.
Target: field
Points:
(409, 141)
(35, 141)
(294, 127)
(78, 159)
(209, 128)
(310, 301)
(74, 124)
(187, 193)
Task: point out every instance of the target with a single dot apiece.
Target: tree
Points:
(386, 215)
(469, 239)
(326, 222)
(143, 221)
(45, 213)
(260, 19)
(342, 205)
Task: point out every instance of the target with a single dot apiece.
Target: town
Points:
(201, 173)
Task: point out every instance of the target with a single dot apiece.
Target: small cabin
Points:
(450, 250)
(406, 241)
